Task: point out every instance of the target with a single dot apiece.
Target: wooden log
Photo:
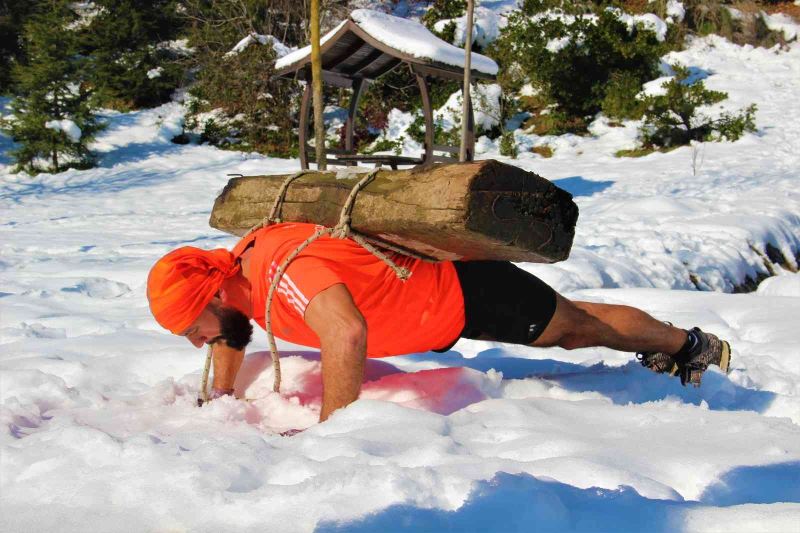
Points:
(478, 210)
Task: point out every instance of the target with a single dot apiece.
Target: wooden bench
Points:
(380, 160)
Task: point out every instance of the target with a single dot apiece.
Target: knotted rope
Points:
(342, 230)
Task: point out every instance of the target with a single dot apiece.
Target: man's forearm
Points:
(227, 362)
(342, 373)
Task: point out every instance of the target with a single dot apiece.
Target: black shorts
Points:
(502, 302)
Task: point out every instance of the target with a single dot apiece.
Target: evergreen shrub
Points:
(443, 10)
(576, 59)
(53, 121)
(508, 146)
(131, 64)
(675, 117)
(251, 111)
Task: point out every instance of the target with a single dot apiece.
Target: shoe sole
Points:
(724, 360)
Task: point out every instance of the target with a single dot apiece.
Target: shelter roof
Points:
(370, 43)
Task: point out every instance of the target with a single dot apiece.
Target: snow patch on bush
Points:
(67, 126)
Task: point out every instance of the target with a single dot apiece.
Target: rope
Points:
(342, 230)
(204, 380)
(274, 216)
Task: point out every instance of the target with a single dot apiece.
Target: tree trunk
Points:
(465, 123)
(316, 80)
(483, 210)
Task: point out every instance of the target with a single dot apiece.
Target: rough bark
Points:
(483, 210)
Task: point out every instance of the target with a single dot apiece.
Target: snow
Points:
(97, 403)
(648, 21)
(781, 23)
(485, 103)
(675, 11)
(404, 35)
(67, 126)
(281, 49)
(155, 72)
(486, 26)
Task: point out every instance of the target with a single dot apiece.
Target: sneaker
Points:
(709, 350)
(658, 362)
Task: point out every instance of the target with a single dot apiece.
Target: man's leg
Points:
(504, 303)
(585, 324)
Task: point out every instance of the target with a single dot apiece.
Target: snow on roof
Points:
(280, 48)
(404, 35)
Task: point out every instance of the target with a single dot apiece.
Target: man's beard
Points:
(234, 326)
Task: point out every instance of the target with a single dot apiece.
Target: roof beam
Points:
(364, 63)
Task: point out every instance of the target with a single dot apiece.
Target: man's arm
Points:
(227, 362)
(342, 333)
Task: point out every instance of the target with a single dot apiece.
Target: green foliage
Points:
(214, 132)
(130, 65)
(731, 126)
(397, 89)
(252, 111)
(443, 9)
(620, 99)
(705, 17)
(384, 145)
(643, 151)
(508, 146)
(49, 87)
(252, 107)
(449, 137)
(593, 51)
(13, 15)
(674, 118)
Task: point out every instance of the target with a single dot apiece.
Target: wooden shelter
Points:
(362, 48)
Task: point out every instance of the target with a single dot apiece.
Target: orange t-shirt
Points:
(425, 312)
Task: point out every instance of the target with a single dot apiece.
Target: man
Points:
(339, 297)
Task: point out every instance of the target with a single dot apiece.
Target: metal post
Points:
(465, 108)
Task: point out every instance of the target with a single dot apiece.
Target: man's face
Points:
(219, 322)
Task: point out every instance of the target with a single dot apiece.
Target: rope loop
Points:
(342, 230)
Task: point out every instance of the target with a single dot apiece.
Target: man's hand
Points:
(342, 332)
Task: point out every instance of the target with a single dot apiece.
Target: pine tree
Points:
(52, 121)
(12, 16)
(129, 65)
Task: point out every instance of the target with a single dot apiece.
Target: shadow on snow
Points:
(522, 502)
(630, 383)
(756, 484)
(579, 186)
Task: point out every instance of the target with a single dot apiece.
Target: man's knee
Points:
(581, 332)
(571, 327)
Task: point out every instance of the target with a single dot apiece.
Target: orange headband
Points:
(183, 282)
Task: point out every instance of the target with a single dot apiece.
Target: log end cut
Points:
(522, 211)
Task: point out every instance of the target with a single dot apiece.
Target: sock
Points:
(692, 341)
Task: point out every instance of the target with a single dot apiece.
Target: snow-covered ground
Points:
(100, 429)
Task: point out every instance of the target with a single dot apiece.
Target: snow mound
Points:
(787, 285)
(99, 288)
